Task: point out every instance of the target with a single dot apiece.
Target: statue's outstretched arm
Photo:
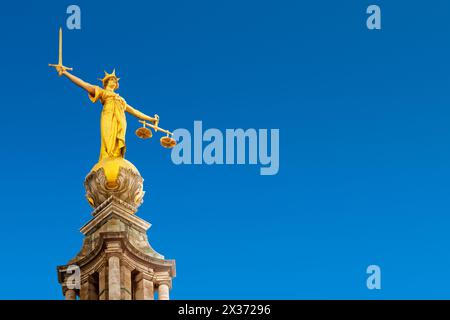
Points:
(139, 114)
(82, 84)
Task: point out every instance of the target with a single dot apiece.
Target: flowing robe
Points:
(113, 123)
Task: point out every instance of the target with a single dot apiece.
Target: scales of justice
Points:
(113, 121)
(116, 261)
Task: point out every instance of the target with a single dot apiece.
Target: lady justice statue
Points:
(113, 125)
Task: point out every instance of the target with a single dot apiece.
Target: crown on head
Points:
(109, 76)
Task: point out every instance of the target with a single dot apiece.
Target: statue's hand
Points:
(156, 120)
(60, 70)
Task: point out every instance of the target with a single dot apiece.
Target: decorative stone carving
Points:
(128, 187)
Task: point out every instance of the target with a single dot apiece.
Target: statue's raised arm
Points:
(79, 82)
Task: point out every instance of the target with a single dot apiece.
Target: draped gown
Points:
(113, 124)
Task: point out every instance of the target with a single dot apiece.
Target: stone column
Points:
(114, 278)
(103, 283)
(88, 290)
(92, 290)
(144, 287)
(125, 285)
(84, 290)
(163, 291)
(71, 294)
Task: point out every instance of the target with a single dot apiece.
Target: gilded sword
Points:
(60, 59)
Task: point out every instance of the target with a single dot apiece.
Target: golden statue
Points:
(113, 122)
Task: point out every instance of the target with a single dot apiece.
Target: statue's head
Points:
(110, 81)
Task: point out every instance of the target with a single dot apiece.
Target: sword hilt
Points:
(64, 68)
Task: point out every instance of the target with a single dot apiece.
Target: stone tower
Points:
(116, 261)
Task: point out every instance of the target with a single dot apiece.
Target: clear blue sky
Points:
(364, 119)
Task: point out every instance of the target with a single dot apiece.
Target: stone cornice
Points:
(118, 208)
(112, 199)
(98, 255)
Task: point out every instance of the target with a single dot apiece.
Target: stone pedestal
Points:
(116, 261)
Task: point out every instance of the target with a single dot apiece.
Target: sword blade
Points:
(60, 61)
